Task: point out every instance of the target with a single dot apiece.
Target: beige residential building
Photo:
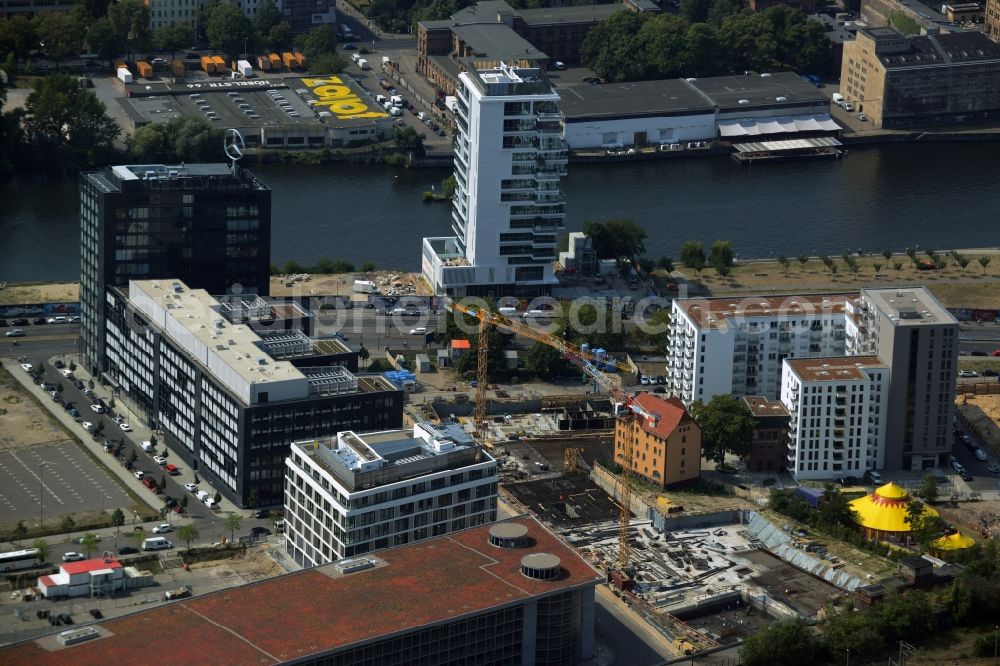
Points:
(666, 449)
(900, 81)
(993, 20)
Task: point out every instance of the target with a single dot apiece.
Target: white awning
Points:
(787, 144)
(778, 125)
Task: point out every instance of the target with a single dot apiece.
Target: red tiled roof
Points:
(461, 344)
(671, 413)
(83, 566)
(308, 612)
(46, 581)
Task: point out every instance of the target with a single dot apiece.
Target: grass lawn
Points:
(979, 363)
(972, 288)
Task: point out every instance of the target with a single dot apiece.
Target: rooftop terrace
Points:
(717, 312)
(833, 368)
(909, 306)
(320, 610)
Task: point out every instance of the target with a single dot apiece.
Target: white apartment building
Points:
(837, 408)
(917, 338)
(356, 493)
(508, 206)
(735, 346)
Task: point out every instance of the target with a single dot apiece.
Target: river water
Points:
(894, 196)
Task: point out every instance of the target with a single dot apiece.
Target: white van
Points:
(156, 543)
(838, 99)
(210, 502)
(355, 57)
(396, 100)
(147, 446)
(202, 495)
(422, 116)
(380, 99)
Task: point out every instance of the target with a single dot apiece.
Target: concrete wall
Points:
(586, 134)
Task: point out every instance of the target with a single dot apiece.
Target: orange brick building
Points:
(666, 449)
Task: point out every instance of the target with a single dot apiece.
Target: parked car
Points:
(259, 530)
(160, 460)
(14, 333)
(162, 529)
(97, 409)
(125, 427)
(73, 556)
(968, 373)
(27, 367)
(263, 513)
(80, 540)
(88, 426)
(957, 466)
(138, 474)
(190, 487)
(127, 550)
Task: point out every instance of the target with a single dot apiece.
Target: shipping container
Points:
(288, 60)
(177, 68)
(207, 64)
(145, 69)
(263, 63)
(220, 63)
(120, 64)
(275, 60)
(125, 75)
(244, 68)
(300, 59)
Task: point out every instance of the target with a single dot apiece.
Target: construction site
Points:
(705, 577)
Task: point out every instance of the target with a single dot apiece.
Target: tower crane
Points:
(626, 406)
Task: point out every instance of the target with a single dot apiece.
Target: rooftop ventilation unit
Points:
(78, 635)
(508, 535)
(541, 566)
(354, 565)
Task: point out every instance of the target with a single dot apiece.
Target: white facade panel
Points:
(588, 134)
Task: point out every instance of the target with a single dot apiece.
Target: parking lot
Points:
(54, 479)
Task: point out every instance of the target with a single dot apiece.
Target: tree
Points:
(280, 36)
(364, 354)
(662, 44)
(782, 643)
(137, 536)
(232, 524)
(153, 440)
(784, 263)
(835, 509)
(18, 36)
(897, 266)
(184, 502)
(95, 9)
(720, 10)
(89, 543)
(887, 254)
(695, 11)
(610, 48)
(130, 19)
(878, 267)
(267, 17)
(727, 426)
(723, 270)
(833, 269)
(319, 41)
(187, 534)
(42, 546)
(229, 30)
(693, 255)
(666, 263)
(721, 253)
(174, 38)
(852, 631)
(984, 261)
(218, 497)
(545, 361)
(177, 140)
(928, 489)
(617, 239)
(60, 35)
(104, 41)
(751, 41)
(20, 530)
(133, 456)
(327, 63)
(407, 140)
(118, 518)
(67, 524)
(368, 267)
(924, 525)
(704, 53)
(68, 123)
(803, 260)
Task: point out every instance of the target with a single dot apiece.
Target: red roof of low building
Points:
(316, 610)
(46, 581)
(83, 566)
(670, 413)
(461, 344)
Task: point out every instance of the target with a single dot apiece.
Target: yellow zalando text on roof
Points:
(343, 102)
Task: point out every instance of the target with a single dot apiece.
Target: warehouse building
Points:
(357, 493)
(778, 105)
(230, 399)
(900, 81)
(292, 112)
(507, 593)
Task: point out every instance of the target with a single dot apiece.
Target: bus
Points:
(20, 559)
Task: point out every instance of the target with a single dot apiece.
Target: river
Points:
(894, 196)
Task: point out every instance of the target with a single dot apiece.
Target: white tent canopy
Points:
(782, 125)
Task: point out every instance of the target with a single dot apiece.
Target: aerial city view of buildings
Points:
(529, 442)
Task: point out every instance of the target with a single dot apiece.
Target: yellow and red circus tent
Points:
(951, 542)
(882, 514)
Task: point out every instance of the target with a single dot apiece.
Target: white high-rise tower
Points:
(508, 206)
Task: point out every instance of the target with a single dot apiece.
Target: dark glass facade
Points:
(206, 225)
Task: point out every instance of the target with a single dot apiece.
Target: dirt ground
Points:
(974, 519)
(981, 414)
(59, 292)
(972, 288)
(25, 423)
(391, 283)
(254, 564)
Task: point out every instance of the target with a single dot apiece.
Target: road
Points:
(982, 477)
